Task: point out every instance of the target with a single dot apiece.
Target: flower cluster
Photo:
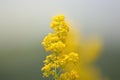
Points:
(53, 43)
(72, 75)
(56, 41)
(55, 63)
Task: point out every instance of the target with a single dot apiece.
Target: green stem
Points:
(55, 69)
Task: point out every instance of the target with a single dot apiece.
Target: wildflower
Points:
(72, 75)
(55, 42)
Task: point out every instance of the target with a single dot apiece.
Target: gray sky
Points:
(21, 21)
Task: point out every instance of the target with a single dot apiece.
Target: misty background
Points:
(24, 23)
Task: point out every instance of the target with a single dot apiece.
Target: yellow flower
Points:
(55, 42)
(59, 18)
(72, 75)
(73, 57)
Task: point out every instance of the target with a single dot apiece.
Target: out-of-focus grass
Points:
(21, 63)
(24, 63)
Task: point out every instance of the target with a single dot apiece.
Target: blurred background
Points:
(24, 23)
